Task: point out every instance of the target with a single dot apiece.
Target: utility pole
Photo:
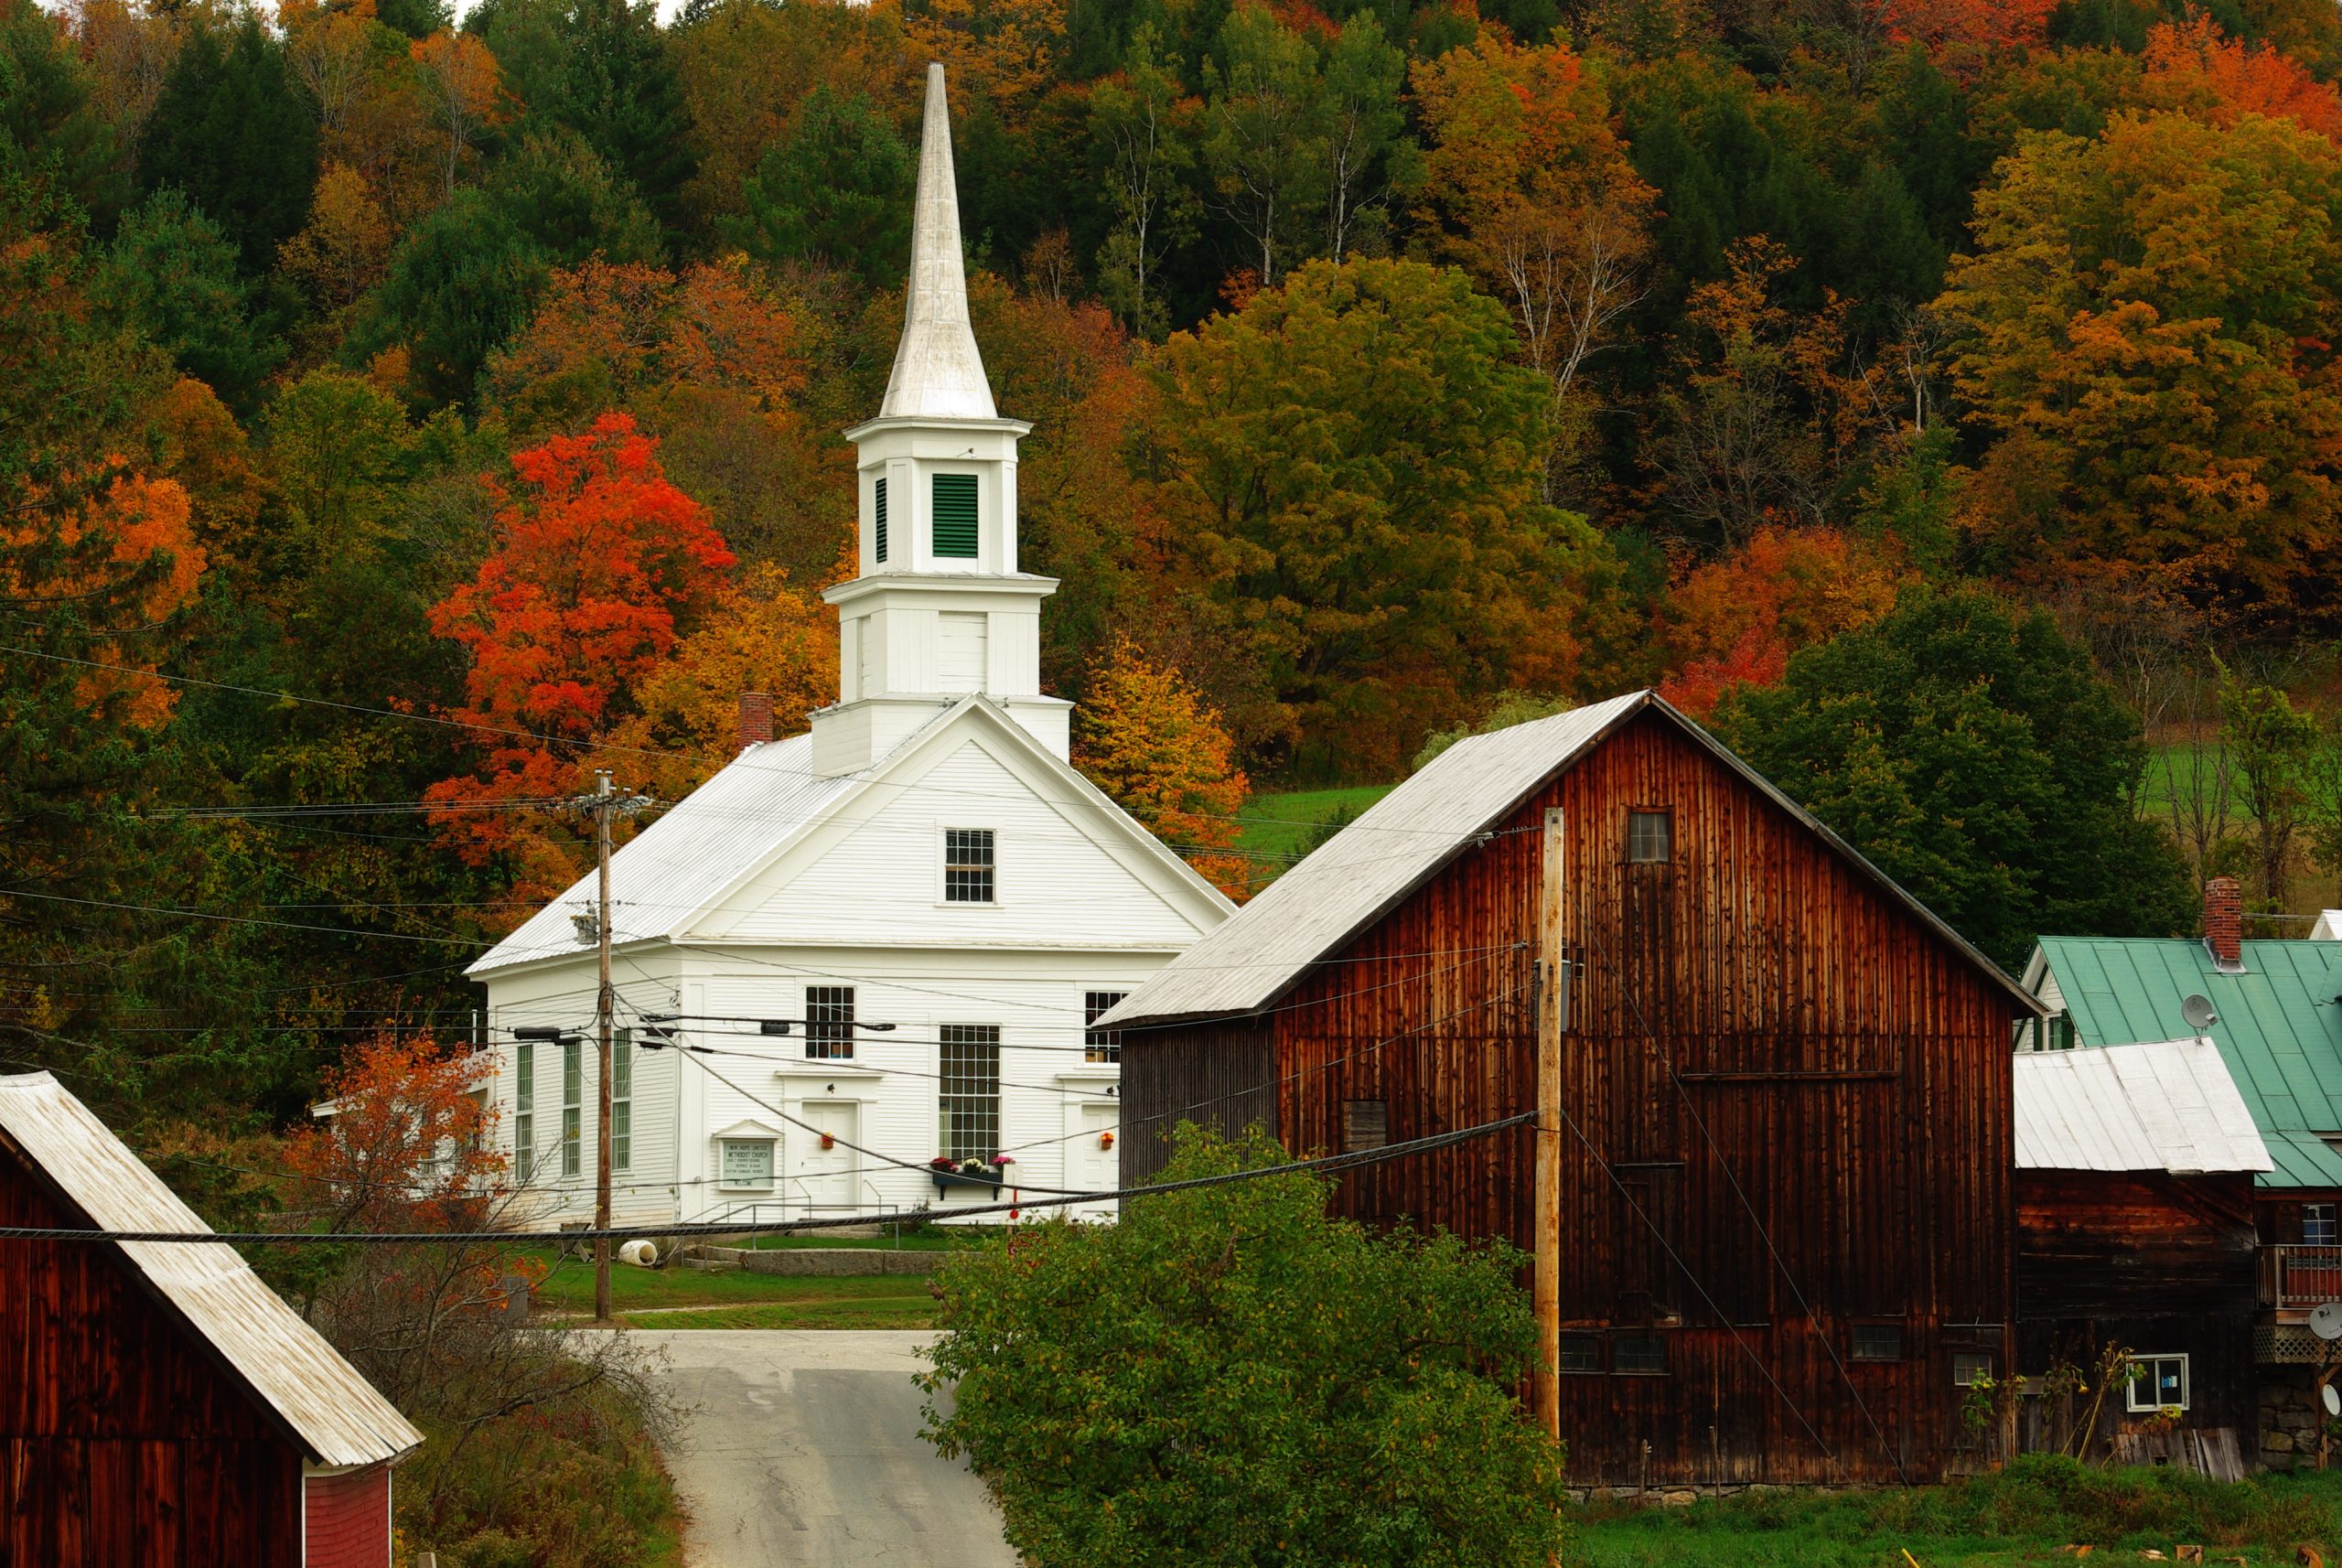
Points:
(1552, 1004)
(601, 805)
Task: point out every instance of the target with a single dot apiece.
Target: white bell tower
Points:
(940, 609)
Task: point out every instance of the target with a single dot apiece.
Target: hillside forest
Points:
(403, 417)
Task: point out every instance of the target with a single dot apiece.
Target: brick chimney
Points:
(2224, 921)
(755, 720)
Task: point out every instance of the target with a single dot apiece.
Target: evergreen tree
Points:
(232, 130)
(173, 275)
(838, 187)
(48, 127)
(617, 88)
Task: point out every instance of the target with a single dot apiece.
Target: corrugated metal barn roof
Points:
(288, 1365)
(2167, 1105)
(2279, 1032)
(1402, 840)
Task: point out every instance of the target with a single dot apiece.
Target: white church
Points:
(893, 932)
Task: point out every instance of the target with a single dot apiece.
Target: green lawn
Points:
(922, 1238)
(1281, 825)
(2023, 1518)
(569, 1288)
(892, 1301)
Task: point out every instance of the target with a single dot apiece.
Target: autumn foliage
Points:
(404, 1142)
(1737, 620)
(1145, 738)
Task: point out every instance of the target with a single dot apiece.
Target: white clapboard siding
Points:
(961, 651)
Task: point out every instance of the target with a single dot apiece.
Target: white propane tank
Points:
(641, 1254)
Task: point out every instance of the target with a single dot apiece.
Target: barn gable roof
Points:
(1406, 837)
(288, 1365)
(2161, 1105)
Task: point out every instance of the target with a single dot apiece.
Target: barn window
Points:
(1641, 1354)
(573, 1107)
(622, 1100)
(967, 865)
(1878, 1341)
(971, 1091)
(1100, 1044)
(1366, 1125)
(955, 515)
(878, 516)
(746, 1163)
(829, 1023)
(524, 1112)
(1971, 1367)
(2157, 1382)
(2317, 1224)
(1580, 1353)
(1650, 837)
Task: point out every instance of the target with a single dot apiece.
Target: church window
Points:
(967, 865)
(955, 516)
(1100, 1044)
(971, 1091)
(622, 1100)
(524, 1112)
(572, 1107)
(878, 519)
(829, 1023)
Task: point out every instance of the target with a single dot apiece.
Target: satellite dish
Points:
(2201, 1015)
(2326, 1320)
(2333, 1400)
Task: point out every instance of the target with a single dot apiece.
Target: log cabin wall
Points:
(1851, 1067)
(2164, 1264)
(122, 1440)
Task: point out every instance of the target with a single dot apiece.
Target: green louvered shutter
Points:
(955, 516)
(881, 539)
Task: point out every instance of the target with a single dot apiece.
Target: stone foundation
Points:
(2289, 1417)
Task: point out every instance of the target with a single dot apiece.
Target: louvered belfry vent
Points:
(878, 521)
(955, 516)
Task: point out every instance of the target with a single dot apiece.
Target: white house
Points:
(893, 931)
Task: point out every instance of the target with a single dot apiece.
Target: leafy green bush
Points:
(1227, 1376)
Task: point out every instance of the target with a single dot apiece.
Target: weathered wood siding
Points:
(1221, 1075)
(1769, 1052)
(122, 1440)
(2163, 1264)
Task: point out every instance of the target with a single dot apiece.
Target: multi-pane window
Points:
(748, 1163)
(1971, 1367)
(878, 518)
(955, 516)
(2159, 1383)
(829, 1023)
(1100, 1044)
(1650, 837)
(1642, 1353)
(971, 1091)
(1366, 1125)
(572, 1107)
(967, 865)
(2317, 1224)
(1580, 1353)
(524, 1112)
(1878, 1342)
(622, 1100)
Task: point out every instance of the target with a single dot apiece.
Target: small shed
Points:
(2134, 1172)
(166, 1408)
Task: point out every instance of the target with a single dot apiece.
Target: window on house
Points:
(2159, 1383)
(829, 1023)
(2317, 1224)
(878, 522)
(573, 1107)
(1650, 837)
(1638, 1353)
(1969, 1368)
(1580, 1353)
(524, 1112)
(1878, 1341)
(955, 516)
(1366, 1125)
(967, 865)
(622, 1100)
(971, 1091)
(748, 1163)
(1100, 1045)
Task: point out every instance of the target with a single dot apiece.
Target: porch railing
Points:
(2300, 1277)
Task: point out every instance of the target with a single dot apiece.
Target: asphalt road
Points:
(802, 1448)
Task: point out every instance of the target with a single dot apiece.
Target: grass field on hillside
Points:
(1278, 827)
(2028, 1516)
(644, 1297)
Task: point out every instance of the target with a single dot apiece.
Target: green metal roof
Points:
(2280, 1029)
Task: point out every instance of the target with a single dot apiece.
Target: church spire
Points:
(938, 373)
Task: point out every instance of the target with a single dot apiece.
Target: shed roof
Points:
(1404, 838)
(2161, 1105)
(287, 1365)
(2278, 1029)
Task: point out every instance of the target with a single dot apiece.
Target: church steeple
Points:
(940, 609)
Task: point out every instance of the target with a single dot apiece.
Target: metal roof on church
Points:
(337, 1413)
(1405, 837)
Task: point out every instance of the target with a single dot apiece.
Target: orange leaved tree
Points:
(1147, 739)
(403, 1142)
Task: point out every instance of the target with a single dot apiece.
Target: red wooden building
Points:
(1783, 1222)
(163, 1407)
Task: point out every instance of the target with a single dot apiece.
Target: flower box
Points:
(946, 1180)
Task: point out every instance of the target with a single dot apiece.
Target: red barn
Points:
(164, 1408)
(1779, 1223)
